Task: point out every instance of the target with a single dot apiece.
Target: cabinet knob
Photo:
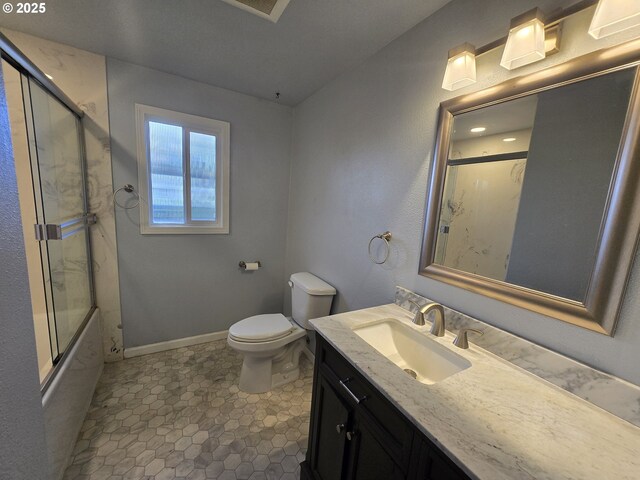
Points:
(340, 428)
(351, 435)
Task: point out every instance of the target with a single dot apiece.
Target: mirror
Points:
(528, 179)
(533, 190)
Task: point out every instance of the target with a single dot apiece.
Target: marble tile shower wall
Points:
(496, 206)
(82, 76)
(610, 393)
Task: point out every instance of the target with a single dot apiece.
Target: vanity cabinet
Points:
(432, 464)
(357, 434)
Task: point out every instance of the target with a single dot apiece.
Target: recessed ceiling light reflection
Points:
(477, 129)
(509, 139)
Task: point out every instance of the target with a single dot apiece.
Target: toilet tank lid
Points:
(312, 284)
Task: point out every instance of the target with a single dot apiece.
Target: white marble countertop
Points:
(494, 419)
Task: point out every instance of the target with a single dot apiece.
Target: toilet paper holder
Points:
(243, 264)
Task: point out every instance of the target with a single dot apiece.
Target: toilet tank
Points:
(310, 298)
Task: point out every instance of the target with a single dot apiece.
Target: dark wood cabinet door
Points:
(433, 465)
(331, 422)
(368, 458)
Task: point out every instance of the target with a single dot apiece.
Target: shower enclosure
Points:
(48, 149)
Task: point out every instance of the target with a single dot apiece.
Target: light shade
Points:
(525, 43)
(613, 16)
(461, 67)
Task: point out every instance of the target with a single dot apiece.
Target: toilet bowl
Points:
(272, 343)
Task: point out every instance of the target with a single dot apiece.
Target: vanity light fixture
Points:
(461, 67)
(478, 129)
(509, 139)
(525, 43)
(613, 16)
(533, 37)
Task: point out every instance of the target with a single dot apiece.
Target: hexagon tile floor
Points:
(179, 415)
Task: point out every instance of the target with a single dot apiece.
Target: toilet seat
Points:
(261, 328)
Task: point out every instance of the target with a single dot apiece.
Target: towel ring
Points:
(129, 189)
(385, 237)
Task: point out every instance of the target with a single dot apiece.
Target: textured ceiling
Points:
(213, 42)
(505, 117)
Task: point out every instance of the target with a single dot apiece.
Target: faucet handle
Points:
(461, 340)
(419, 317)
(411, 301)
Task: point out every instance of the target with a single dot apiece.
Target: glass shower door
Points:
(63, 223)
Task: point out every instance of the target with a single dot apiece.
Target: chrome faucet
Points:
(437, 327)
(461, 340)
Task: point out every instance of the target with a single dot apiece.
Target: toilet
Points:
(272, 343)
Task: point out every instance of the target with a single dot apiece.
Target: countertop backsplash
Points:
(610, 393)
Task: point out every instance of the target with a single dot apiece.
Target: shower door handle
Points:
(47, 231)
(52, 231)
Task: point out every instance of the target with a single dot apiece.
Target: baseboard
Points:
(173, 344)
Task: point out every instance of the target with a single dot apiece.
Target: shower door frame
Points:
(29, 71)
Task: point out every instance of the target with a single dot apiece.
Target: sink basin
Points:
(414, 352)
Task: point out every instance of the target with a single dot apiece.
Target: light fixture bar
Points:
(532, 36)
(553, 20)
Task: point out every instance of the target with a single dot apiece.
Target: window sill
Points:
(184, 230)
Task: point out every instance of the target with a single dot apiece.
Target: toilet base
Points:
(264, 371)
(279, 379)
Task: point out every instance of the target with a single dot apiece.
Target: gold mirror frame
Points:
(618, 236)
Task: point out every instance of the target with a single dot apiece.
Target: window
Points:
(183, 172)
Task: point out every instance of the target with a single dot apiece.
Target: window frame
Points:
(188, 123)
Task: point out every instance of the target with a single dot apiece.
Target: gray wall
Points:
(573, 148)
(360, 157)
(175, 286)
(22, 439)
